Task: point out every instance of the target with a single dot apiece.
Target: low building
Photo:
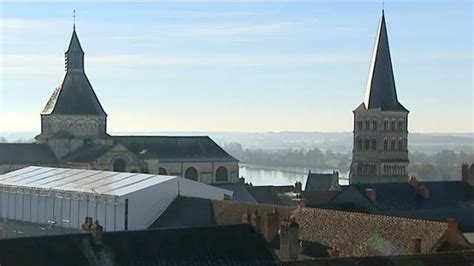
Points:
(119, 201)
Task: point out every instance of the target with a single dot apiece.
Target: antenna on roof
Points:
(74, 19)
(383, 5)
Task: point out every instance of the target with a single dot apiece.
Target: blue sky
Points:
(239, 66)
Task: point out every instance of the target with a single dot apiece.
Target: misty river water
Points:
(262, 175)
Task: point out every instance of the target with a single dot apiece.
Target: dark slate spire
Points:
(381, 92)
(74, 54)
(74, 95)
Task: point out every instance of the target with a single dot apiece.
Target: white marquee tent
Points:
(120, 201)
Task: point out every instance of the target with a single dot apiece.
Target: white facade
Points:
(120, 201)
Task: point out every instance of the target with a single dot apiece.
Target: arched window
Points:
(393, 128)
(392, 145)
(119, 165)
(162, 171)
(367, 144)
(367, 125)
(191, 173)
(385, 144)
(374, 144)
(221, 174)
(400, 144)
(385, 125)
(401, 125)
(374, 125)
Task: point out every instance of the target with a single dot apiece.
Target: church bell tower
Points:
(380, 133)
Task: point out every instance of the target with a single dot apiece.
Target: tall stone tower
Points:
(380, 123)
(73, 114)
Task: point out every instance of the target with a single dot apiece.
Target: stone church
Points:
(380, 152)
(74, 135)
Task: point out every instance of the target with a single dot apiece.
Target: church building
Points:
(380, 152)
(74, 135)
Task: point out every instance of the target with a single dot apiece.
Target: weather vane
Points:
(74, 19)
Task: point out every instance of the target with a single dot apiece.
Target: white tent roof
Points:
(76, 180)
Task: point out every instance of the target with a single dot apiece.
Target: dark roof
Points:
(212, 245)
(381, 92)
(14, 228)
(74, 95)
(240, 191)
(26, 153)
(318, 182)
(447, 199)
(175, 148)
(265, 194)
(186, 211)
(319, 198)
(454, 258)
(88, 153)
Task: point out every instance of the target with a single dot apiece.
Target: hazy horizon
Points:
(239, 67)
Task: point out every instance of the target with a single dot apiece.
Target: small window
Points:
(367, 144)
(385, 145)
(191, 173)
(374, 144)
(222, 175)
(367, 125)
(385, 125)
(359, 144)
(359, 125)
(401, 125)
(392, 146)
(393, 125)
(400, 144)
(374, 125)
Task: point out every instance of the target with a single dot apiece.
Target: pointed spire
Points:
(381, 91)
(74, 54)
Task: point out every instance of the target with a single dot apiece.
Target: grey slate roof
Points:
(26, 153)
(318, 182)
(88, 153)
(211, 245)
(175, 148)
(241, 193)
(74, 94)
(381, 92)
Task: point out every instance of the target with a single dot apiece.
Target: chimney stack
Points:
(370, 193)
(256, 221)
(246, 217)
(424, 192)
(452, 232)
(289, 243)
(272, 224)
(416, 248)
(97, 230)
(298, 187)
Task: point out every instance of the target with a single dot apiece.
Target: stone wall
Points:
(79, 126)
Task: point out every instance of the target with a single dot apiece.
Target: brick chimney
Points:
(370, 193)
(246, 217)
(413, 182)
(289, 243)
(416, 245)
(86, 226)
(452, 232)
(272, 224)
(424, 192)
(256, 221)
(333, 252)
(96, 231)
(298, 187)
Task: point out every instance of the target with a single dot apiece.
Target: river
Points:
(262, 175)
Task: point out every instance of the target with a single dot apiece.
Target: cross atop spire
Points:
(74, 20)
(381, 92)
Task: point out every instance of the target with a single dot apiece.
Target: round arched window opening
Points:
(191, 173)
(221, 174)
(162, 171)
(119, 165)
